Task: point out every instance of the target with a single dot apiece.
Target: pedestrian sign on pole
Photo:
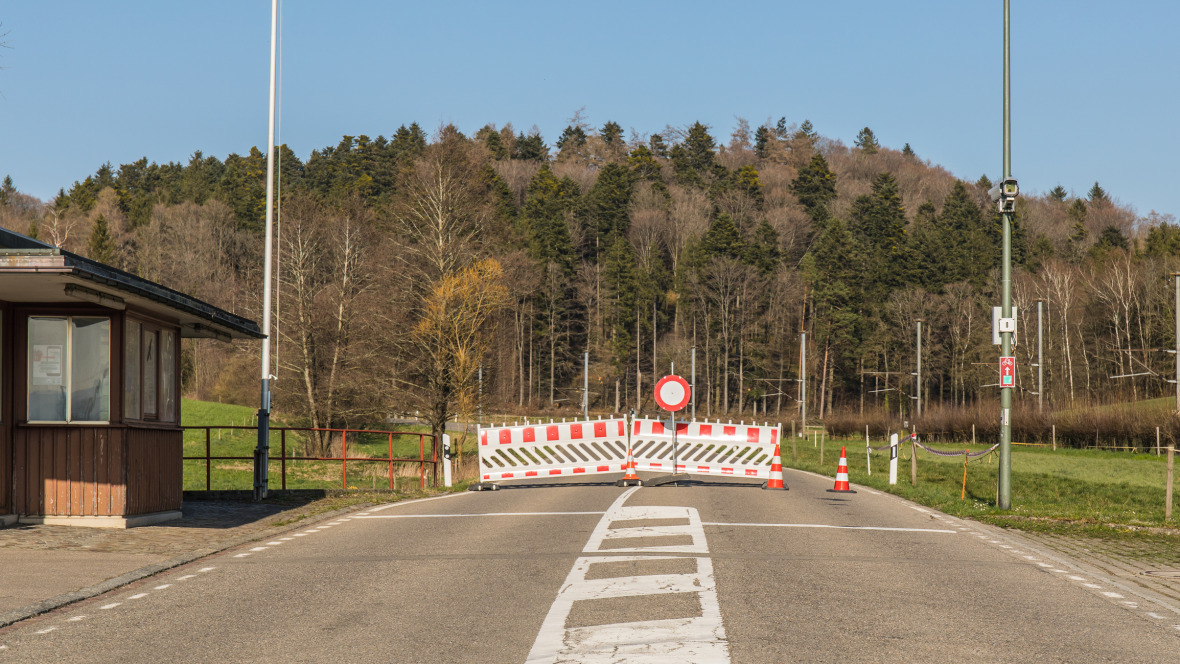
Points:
(1007, 372)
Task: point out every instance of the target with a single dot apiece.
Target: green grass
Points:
(1076, 491)
(238, 473)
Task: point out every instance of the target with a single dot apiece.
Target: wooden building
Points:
(90, 388)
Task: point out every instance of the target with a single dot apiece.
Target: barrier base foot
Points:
(841, 491)
(784, 487)
(483, 486)
(624, 482)
(666, 479)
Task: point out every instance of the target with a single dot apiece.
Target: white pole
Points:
(262, 452)
(893, 458)
(447, 459)
(868, 452)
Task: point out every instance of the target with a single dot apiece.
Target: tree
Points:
(867, 141)
(907, 150)
(531, 147)
(815, 187)
(100, 247)
(878, 222)
(1058, 194)
(608, 201)
(762, 137)
(7, 190)
(1097, 194)
(984, 182)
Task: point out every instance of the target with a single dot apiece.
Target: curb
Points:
(53, 603)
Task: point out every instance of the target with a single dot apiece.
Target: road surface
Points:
(583, 571)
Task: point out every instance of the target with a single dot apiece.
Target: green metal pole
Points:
(1005, 488)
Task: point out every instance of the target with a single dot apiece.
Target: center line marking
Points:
(186, 576)
(138, 595)
(166, 585)
(110, 606)
(206, 569)
(76, 618)
(45, 631)
(452, 516)
(824, 525)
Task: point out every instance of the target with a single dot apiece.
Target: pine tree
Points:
(1097, 194)
(806, 131)
(723, 239)
(1058, 194)
(762, 251)
(780, 129)
(878, 222)
(100, 247)
(643, 164)
(745, 180)
(907, 150)
(658, 147)
(531, 147)
(815, 187)
(547, 202)
(762, 137)
(6, 191)
(984, 182)
(608, 201)
(32, 232)
(571, 141)
(867, 141)
(612, 133)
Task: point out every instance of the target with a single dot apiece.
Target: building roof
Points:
(33, 271)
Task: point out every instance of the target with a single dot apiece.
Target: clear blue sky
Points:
(1095, 84)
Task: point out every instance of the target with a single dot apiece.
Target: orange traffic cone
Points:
(629, 478)
(842, 475)
(776, 472)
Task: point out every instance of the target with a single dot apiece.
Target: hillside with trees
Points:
(407, 263)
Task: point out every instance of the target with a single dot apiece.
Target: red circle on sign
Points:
(673, 393)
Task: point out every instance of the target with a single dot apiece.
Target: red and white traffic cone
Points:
(776, 472)
(842, 475)
(630, 478)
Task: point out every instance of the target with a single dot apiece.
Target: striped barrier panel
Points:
(706, 448)
(552, 449)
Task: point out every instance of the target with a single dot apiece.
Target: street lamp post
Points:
(1005, 196)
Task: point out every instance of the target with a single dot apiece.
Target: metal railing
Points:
(425, 456)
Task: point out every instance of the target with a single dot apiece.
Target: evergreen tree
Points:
(780, 129)
(867, 141)
(878, 223)
(984, 182)
(547, 203)
(1162, 241)
(815, 187)
(492, 140)
(723, 239)
(32, 232)
(1110, 239)
(762, 138)
(806, 131)
(1058, 194)
(620, 283)
(745, 180)
(612, 134)
(572, 140)
(608, 201)
(762, 251)
(643, 164)
(907, 150)
(658, 147)
(7, 190)
(531, 147)
(1097, 194)
(100, 247)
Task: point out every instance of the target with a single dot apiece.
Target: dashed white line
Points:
(166, 585)
(206, 569)
(822, 525)
(45, 631)
(76, 619)
(273, 543)
(260, 548)
(138, 596)
(300, 534)
(1092, 585)
(1076, 578)
(1156, 616)
(242, 555)
(186, 576)
(109, 606)
(1112, 595)
(285, 539)
(1044, 564)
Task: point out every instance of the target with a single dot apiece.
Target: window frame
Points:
(156, 328)
(68, 368)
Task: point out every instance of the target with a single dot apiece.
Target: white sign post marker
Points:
(893, 458)
(672, 394)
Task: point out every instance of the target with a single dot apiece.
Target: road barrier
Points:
(552, 449)
(705, 448)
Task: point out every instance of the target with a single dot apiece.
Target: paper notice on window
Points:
(47, 365)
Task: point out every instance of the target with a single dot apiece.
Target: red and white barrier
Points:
(707, 448)
(552, 449)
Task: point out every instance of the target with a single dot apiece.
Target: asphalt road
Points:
(584, 572)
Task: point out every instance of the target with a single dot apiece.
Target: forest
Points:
(410, 266)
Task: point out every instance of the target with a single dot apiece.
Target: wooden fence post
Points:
(914, 461)
(1157, 441)
(1054, 437)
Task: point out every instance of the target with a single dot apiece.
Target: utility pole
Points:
(262, 451)
(1176, 277)
(693, 384)
(586, 385)
(803, 381)
(1005, 196)
(1040, 361)
(918, 373)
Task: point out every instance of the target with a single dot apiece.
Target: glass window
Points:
(90, 369)
(168, 376)
(151, 365)
(131, 374)
(47, 369)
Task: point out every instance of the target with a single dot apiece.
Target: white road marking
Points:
(1156, 616)
(242, 555)
(206, 569)
(260, 548)
(186, 576)
(45, 631)
(273, 543)
(76, 619)
(166, 585)
(1077, 578)
(1112, 595)
(1045, 564)
(821, 525)
(693, 639)
(138, 595)
(1032, 558)
(1091, 585)
(412, 502)
(1059, 571)
(300, 534)
(1133, 605)
(109, 606)
(286, 539)
(450, 516)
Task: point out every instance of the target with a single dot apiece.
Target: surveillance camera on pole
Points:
(1004, 195)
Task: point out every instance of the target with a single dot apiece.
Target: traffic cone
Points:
(842, 475)
(630, 478)
(776, 472)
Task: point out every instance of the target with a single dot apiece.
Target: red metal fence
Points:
(425, 455)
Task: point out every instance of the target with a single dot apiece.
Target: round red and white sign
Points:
(672, 393)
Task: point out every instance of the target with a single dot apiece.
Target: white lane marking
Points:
(1091, 585)
(166, 585)
(109, 606)
(76, 619)
(186, 576)
(1032, 558)
(1156, 616)
(450, 516)
(412, 502)
(286, 539)
(300, 534)
(822, 525)
(1005, 546)
(1059, 571)
(260, 548)
(1077, 578)
(206, 569)
(919, 509)
(1045, 564)
(242, 555)
(875, 493)
(138, 595)
(45, 631)
(1112, 595)
(273, 543)
(692, 639)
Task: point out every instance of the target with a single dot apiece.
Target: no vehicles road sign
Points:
(1007, 372)
(672, 393)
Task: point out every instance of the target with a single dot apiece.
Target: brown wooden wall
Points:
(6, 414)
(95, 470)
